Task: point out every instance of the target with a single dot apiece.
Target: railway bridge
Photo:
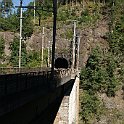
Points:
(33, 96)
(37, 95)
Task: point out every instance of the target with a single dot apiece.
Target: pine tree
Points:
(6, 7)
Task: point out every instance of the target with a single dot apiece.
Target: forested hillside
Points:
(85, 12)
(100, 24)
(102, 92)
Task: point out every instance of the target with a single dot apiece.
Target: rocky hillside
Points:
(97, 107)
(100, 26)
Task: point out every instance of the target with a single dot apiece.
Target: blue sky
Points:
(17, 2)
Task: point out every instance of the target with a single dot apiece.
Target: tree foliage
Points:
(34, 59)
(97, 77)
(90, 107)
(104, 71)
(15, 52)
(6, 7)
(2, 46)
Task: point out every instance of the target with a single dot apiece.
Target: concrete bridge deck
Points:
(20, 88)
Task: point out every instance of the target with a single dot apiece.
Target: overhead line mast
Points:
(20, 43)
(54, 36)
(34, 10)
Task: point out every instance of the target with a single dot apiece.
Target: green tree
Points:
(33, 59)
(2, 46)
(15, 52)
(10, 23)
(28, 26)
(91, 107)
(6, 6)
(98, 76)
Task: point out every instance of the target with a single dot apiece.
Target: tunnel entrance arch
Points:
(61, 63)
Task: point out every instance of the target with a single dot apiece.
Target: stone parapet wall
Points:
(68, 110)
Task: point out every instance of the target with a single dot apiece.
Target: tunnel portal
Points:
(61, 63)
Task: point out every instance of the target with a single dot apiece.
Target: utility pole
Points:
(78, 52)
(113, 3)
(74, 38)
(48, 48)
(20, 43)
(42, 47)
(54, 35)
(34, 11)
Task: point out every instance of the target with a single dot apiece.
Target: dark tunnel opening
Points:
(61, 63)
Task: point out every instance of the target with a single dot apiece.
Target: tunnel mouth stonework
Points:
(61, 63)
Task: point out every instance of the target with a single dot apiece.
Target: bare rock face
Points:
(114, 108)
(37, 40)
(92, 37)
(34, 42)
(8, 37)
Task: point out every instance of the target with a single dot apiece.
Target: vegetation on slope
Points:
(104, 70)
(2, 46)
(97, 77)
(10, 23)
(14, 53)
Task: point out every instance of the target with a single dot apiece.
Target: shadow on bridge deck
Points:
(41, 110)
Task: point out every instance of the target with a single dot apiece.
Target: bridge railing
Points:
(15, 70)
(15, 83)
